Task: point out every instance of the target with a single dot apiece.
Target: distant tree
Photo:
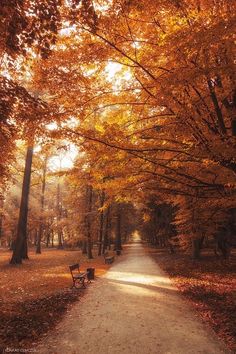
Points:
(42, 205)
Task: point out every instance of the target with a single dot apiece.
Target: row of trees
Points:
(63, 210)
(146, 91)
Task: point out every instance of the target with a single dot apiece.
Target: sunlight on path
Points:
(136, 236)
(138, 278)
(133, 309)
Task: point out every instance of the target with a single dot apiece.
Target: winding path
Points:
(134, 309)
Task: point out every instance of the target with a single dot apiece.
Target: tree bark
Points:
(118, 245)
(59, 212)
(88, 221)
(47, 238)
(38, 247)
(196, 247)
(20, 247)
(106, 232)
(84, 247)
(52, 239)
(1, 217)
(101, 228)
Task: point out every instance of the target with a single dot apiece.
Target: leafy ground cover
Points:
(209, 285)
(34, 295)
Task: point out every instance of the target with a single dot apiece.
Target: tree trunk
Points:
(118, 245)
(38, 247)
(52, 239)
(101, 240)
(84, 247)
(88, 221)
(25, 249)
(89, 236)
(35, 237)
(223, 242)
(20, 247)
(47, 238)
(60, 240)
(59, 212)
(196, 248)
(106, 232)
(1, 218)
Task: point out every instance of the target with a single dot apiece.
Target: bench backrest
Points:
(74, 266)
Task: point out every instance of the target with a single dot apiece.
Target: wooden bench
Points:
(78, 277)
(108, 258)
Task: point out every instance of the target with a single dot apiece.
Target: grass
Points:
(209, 285)
(34, 295)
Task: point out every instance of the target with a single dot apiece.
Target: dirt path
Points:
(133, 309)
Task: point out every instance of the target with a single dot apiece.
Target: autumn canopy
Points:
(141, 96)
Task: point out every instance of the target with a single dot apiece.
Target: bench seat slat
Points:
(78, 276)
(108, 258)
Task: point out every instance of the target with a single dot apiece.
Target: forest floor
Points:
(35, 295)
(210, 286)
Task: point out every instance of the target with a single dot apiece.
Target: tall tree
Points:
(118, 240)
(88, 220)
(20, 250)
(41, 222)
(101, 226)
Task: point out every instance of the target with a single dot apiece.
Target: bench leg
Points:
(80, 282)
(83, 283)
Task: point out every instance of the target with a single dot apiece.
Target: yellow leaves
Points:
(99, 127)
(146, 217)
(177, 22)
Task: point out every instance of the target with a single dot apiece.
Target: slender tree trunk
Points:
(196, 248)
(89, 245)
(197, 245)
(84, 247)
(88, 221)
(60, 240)
(109, 243)
(1, 217)
(38, 248)
(35, 237)
(101, 228)
(118, 245)
(20, 248)
(106, 232)
(48, 238)
(38, 242)
(59, 211)
(52, 239)
(223, 242)
(12, 241)
(196, 241)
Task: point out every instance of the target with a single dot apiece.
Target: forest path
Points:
(133, 309)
